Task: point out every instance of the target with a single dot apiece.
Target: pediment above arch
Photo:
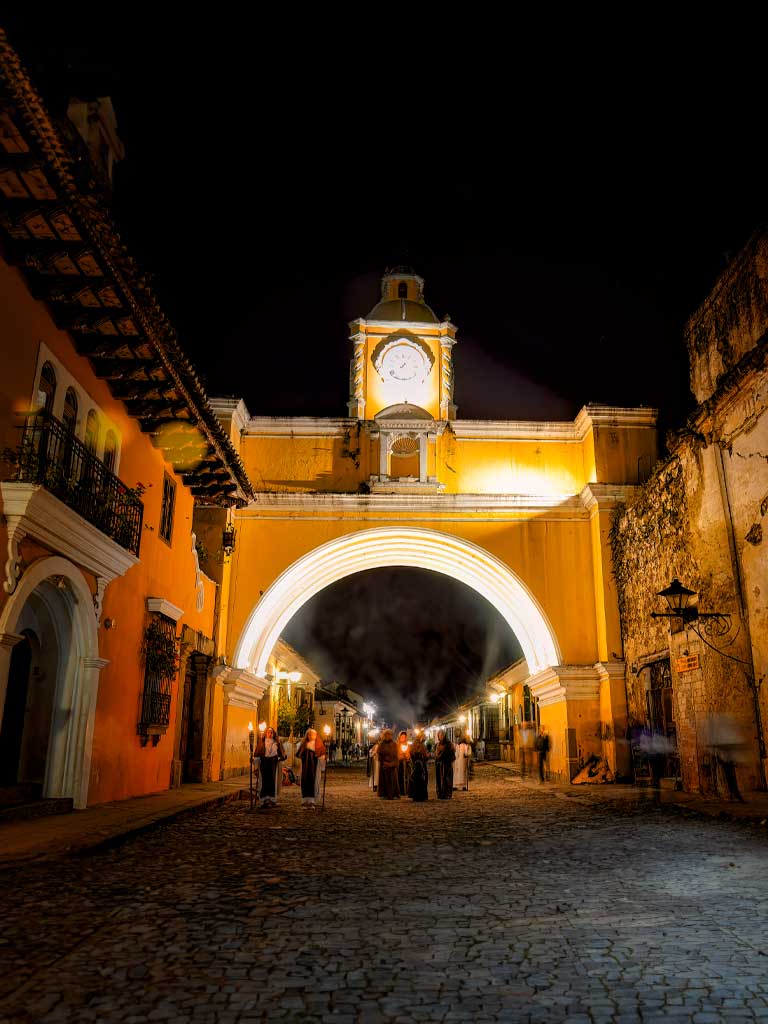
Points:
(403, 411)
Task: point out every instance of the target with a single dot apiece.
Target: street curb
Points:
(641, 796)
(76, 849)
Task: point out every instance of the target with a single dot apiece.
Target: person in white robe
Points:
(373, 778)
(461, 765)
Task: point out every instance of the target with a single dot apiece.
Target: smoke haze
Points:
(414, 642)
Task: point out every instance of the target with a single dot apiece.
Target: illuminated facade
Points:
(157, 542)
(518, 510)
(109, 627)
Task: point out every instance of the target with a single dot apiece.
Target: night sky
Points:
(569, 213)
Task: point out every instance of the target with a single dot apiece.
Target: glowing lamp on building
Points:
(228, 540)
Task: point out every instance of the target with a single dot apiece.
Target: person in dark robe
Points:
(445, 755)
(269, 753)
(388, 760)
(403, 763)
(311, 754)
(419, 770)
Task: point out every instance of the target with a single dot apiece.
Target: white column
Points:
(423, 458)
(356, 404)
(383, 455)
(77, 770)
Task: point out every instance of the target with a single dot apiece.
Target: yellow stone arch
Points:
(397, 546)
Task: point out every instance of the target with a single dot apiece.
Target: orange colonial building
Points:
(108, 624)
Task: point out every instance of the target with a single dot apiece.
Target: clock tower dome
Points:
(402, 353)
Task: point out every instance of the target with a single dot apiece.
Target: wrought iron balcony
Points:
(51, 456)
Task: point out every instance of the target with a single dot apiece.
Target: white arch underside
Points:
(397, 546)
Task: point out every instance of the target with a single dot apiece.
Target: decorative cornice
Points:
(560, 505)
(611, 671)
(605, 497)
(554, 430)
(10, 639)
(164, 607)
(299, 426)
(231, 410)
(417, 326)
(468, 430)
(565, 683)
(513, 430)
(613, 416)
(242, 689)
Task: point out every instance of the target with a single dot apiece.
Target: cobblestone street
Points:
(509, 903)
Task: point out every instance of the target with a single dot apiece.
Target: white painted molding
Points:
(467, 430)
(164, 607)
(199, 585)
(566, 506)
(427, 328)
(605, 497)
(10, 640)
(299, 426)
(232, 410)
(403, 546)
(614, 416)
(12, 567)
(403, 485)
(69, 758)
(560, 683)
(34, 512)
(608, 671)
(242, 689)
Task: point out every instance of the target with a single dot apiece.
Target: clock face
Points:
(404, 363)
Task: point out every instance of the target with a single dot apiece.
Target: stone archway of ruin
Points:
(397, 546)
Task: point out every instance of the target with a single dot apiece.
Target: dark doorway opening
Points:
(15, 711)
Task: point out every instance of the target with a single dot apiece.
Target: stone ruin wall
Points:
(731, 320)
(673, 528)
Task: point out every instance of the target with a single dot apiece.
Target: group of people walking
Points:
(401, 768)
(268, 756)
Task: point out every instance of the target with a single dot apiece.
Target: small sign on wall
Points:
(687, 664)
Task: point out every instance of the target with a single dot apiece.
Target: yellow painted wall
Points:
(281, 463)
(554, 717)
(510, 467)
(618, 451)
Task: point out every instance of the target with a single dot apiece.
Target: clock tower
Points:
(401, 381)
(402, 353)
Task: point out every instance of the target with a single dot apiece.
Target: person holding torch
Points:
(387, 754)
(312, 755)
(403, 763)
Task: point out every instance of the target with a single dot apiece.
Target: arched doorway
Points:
(397, 546)
(49, 673)
(27, 715)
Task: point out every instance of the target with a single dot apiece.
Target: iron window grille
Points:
(156, 695)
(167, 510)
(50, 455)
